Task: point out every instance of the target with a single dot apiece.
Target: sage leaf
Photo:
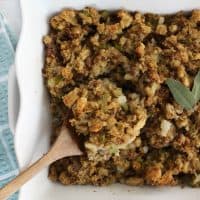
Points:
(181, 94)
(196, 87)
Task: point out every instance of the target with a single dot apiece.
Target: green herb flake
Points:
(118, 47)
(113, 150)
(196, 87)
(102, 138)
(181, 94)
(125, 107)
(105, 13)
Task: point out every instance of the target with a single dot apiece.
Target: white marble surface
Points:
(11, 10)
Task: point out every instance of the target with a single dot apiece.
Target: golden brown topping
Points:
(134, 181)
(161, 29)
(153, 174)
(67, 73)
(140, 50)
(106, 75)
(70, 98)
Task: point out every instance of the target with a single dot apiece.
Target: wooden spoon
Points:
(63, 147)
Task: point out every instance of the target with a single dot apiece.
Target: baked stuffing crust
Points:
(105, 73)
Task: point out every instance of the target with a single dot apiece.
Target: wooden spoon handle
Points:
(24, 176)
(63, 147)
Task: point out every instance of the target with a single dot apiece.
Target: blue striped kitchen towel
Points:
(8, 163)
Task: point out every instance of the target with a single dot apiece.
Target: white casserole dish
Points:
(33, 124)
